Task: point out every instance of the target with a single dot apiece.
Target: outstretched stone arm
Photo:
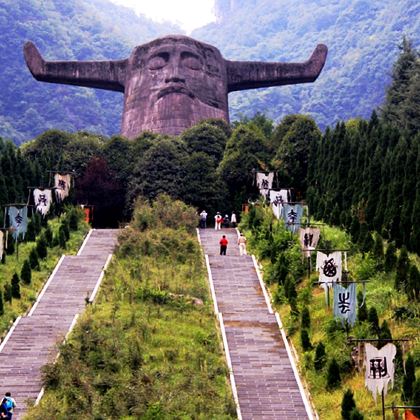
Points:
(109, 75)
(251, 74)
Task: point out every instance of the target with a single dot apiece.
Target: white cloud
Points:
(189, 14)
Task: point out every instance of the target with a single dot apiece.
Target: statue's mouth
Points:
(175, 88)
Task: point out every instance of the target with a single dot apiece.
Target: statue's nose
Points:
(174, 72)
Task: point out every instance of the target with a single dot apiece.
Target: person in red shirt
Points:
(223, 245)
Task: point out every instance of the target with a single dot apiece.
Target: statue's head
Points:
(176, 81)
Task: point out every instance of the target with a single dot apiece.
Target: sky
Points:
(189, 14)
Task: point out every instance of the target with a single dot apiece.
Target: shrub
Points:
(73, 219)
(401, 275)
(305, 340)
(408, 379)
(373, 319)
(320, 359)
(48, 236)
(62, 238)
(305, 318)
(413, 284)
(1, 304)
(15, 287)
(26, 274)
(64, 227)
(416, 397)
(41, 248)
(390, 257)
(7, 292)
(356, 415)
(33, 259)
(333, 375)
(347, 404)
(10, 245)
(362, 311)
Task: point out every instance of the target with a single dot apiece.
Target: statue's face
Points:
(176, 81)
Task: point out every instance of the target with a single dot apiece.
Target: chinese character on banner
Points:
(292, 215)
(43, 199)
(62, 186)
(379, 368)
(277, 199)
(309, 238)
(329, 267)
(18, 219)
(345, 303)
(265, 181)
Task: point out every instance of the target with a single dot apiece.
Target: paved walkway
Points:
(265, 380)
(35, 337)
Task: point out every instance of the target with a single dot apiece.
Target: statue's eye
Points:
(191, 61)
(158, 61)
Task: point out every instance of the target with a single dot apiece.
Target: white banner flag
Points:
(265, 181)
(329, 267)
(277, 199)
(309, 238)
(43, 199)
(379, 368)
(62, 186)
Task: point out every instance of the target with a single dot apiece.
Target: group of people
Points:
(241, 242)
(7, 406)
(219, 220)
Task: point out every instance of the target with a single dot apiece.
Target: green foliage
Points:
(41, 247)
(15, 287)
(347, 404)
(362, 311)
(390, 257)
(305, 341)
(373, 319)
(8, 293)
(416, 397)
(305, 318)
(26, 273)
(1, 303)
(62, 240)
(320, 357)
(33, 259)
(401, 275)
(413, 284)
(408, 379)
(333, 375)
(356, 415)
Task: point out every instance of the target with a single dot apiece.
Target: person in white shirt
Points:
(242, 245)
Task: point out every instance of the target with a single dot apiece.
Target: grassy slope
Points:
(146, 349)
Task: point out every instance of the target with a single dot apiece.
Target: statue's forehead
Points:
(178, 43)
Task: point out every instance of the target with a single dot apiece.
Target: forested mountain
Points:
(64, 30)
(362, 36)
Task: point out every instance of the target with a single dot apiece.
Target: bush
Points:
(320, 359)
(33, 259)
(390, 257)
(1, 304)
(347, 405)
(10, 244)
(26, 274)
(73, 219)
(356, 415)
(362, 311)
(373, 320)
(408, 379)
(48, 235)
(62, 238)
(64, 227)
(333, 375)
(305, 340)
(41, 248)
(7, 292)
(305, 318)
(15, 287)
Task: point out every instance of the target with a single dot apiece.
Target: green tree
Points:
(41, 247)
(320, 357)
(408, 379)
(305, 318)
(390, 257)
(413, 284)
(378, 250)
(7, 293)
(403, 265)
(15, 286)
(26, 273)
(1, 304)
(347, 404)
(373, 319)
(305, 341)
(33, 259)
(333, 375)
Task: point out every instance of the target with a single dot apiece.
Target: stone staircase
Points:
(34, 339)
(265, 380)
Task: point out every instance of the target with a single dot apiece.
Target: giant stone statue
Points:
(173, 82)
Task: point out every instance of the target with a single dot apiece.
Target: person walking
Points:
(10, 405)
(4, 413)
(218, 221)
(203, 219)
(223, 245)
(242, 245)
(233, 219)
